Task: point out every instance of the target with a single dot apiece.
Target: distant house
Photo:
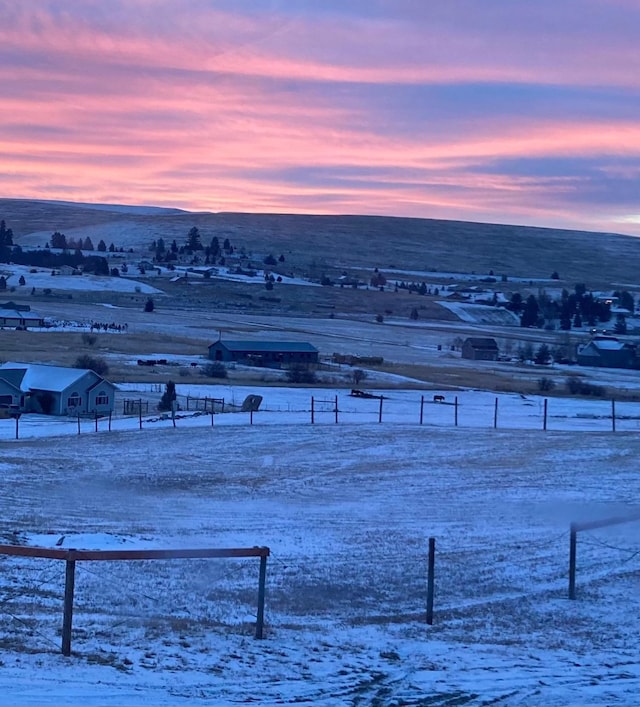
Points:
(607, 352)
(19, 318)
(55, 390)
(480, 349)
(272, 354)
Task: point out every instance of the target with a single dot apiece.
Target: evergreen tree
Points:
(149, 306)
(3, 283)
(168, 397)
(543, 355)
(102, 246)
(88, 244)
(620, 326)
(193, 240)
(58, 240)
(530, 312)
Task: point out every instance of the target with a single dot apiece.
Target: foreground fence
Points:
(467, 409)
(72, 556)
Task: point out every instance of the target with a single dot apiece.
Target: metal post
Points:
(78, 424)
(456, 411)
(336, 409)
(380, 411)
(430, 579)
(544, 419)
(572, 561)
(251, 416)
(17, 433)
(96, 421)
(261, 592)
(212, 413)
(69, 586)
(140, 412)
(495, 415)
(613, 415)
(312, 411)
(109, 420)
(421, 408)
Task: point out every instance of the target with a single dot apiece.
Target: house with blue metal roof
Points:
(271, 354)
(55, 390)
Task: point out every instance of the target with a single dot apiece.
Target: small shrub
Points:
(93, 363)
(89, 339)
(184, 372)
(379, 318)
(215, 369)
(358, 375)
(301, 374)
(576, 386)
(546, 384)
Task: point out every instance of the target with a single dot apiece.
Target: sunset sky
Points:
(507, 111)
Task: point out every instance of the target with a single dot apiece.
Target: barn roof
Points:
(481, 342)
(264, 346)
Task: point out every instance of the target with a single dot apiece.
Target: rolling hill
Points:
(340, 242)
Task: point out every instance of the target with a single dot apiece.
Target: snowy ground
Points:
(347, 511)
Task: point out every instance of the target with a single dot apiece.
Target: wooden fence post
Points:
(140, 412)
(251, 416)
(613, 415)
(109, 420)
(572, 560)
(430, 579)
(495, 415)
(312, 411)
(78, 424)
(261, 593)
(455, 414)
(421, 408)
(17, 432)
(336, 409)
(380, 411)
(69, 586)
(96, 420)
(544, 418)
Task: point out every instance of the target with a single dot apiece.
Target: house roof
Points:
(479, 342)
(607, 343)
(18, 314)
(264, 346)
(37, 376)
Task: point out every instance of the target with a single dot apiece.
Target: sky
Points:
(501, 111)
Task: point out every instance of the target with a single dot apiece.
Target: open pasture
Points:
(347, 512)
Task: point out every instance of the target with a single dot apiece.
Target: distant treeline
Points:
(44, 258)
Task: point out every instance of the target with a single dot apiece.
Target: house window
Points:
(102, 399)
(74, 400)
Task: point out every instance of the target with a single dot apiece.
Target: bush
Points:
(93, 363)
(358, 375)
(215, 369)
(577, 386)
(89, 339)
(149, 306)
(546, 384)
(301, 374)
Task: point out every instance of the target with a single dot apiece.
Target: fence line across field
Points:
(485, 413)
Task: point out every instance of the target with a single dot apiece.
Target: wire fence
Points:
(472, 409)
(371, 578)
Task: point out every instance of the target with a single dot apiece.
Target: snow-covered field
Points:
(347, 511)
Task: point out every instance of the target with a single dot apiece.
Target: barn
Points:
(55, 390)
(479, 348)
(271, 354)
(607, 352)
